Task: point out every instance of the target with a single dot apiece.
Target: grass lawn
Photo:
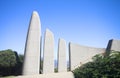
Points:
(8, 77)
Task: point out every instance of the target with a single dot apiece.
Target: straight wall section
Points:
(82, 54)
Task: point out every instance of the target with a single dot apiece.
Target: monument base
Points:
(51, 75)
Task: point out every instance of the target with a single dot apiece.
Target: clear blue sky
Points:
(86, 22)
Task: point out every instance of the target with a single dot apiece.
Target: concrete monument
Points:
(48, 53)
(78, 54)
(32, 48)
(62, 63)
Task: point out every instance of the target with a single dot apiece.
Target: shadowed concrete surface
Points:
(32, 47)
(114, 45)
(48, 53)
(62, 63)
(51, 75)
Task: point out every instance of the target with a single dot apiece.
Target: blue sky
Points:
(86, 22)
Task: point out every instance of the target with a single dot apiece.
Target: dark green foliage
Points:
(55, 70)
(10, 63)
(101, 67)
(21, 58)
(7, 58)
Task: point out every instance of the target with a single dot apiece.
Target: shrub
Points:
(10, 63)
(101, 67)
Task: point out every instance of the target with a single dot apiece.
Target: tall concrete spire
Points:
(32, 48)
(48, 57)
(62, 63)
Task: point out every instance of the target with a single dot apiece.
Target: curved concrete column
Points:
(62, 63)
(48, 54)
(32, 48)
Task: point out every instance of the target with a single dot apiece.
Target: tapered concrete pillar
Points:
(62, 63)
(32, 48)
(48, 54)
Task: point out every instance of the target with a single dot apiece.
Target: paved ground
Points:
(51, 75)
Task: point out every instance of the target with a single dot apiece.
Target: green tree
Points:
(7, 58)
(101, 67)
(7, 61)
(21, 57)
(10, 63)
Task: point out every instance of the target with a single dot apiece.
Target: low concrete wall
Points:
(82, 54)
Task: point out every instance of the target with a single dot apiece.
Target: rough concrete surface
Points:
(62, 63)
(82, 54)
(51, 75)
(115, 45)
(48, 53)
(32, 47)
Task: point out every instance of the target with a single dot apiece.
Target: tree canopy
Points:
(7, 58)
(10, 63)
(100, 67)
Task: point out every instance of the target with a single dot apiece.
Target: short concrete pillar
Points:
(32, 48)
(113, 45)
(48, 53)
(62, 63)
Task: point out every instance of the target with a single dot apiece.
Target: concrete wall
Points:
(62, 63)
(82, 54)
(114, 45)
(32, 48)
(48, 53)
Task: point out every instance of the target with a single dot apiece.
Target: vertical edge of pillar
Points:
(69, 46)
(108, 49)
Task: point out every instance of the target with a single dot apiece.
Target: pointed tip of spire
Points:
(48, 32)
(35, 22)
(35, 13)
(61, 39)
